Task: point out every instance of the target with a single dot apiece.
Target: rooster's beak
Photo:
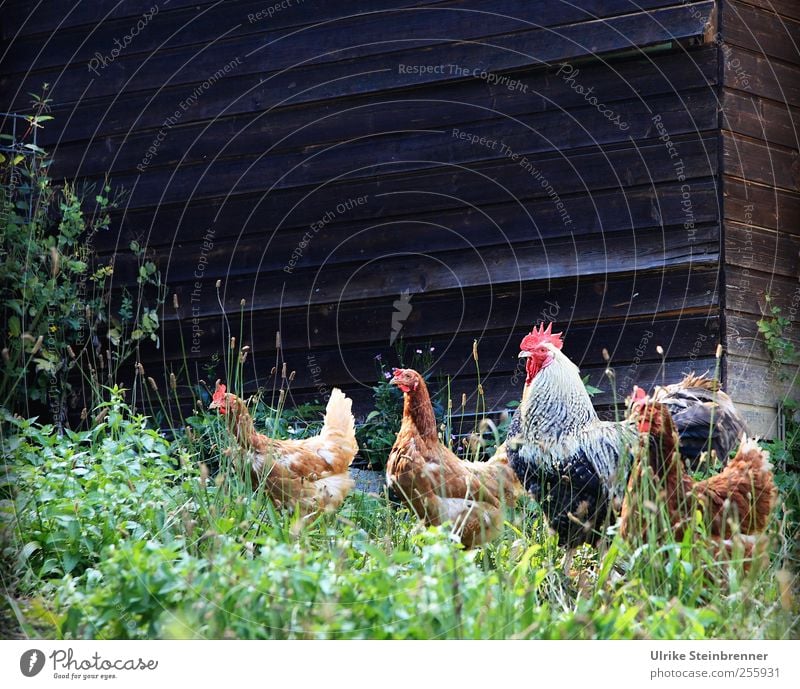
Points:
(523, 354)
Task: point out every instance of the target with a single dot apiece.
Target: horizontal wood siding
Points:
(494, 195)
(761, 196)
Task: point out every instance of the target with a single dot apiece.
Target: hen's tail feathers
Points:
(754, 460)
(752, 455)
(339, 428)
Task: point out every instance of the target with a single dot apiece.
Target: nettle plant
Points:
(58, 323)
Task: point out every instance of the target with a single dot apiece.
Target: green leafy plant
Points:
(74, 496)
(773, 326)
(591, 390)
(58, 322)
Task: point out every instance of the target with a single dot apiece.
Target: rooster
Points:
(743, 493)
(437, 485)
(704, 417)
(312, 474)
(571, 462)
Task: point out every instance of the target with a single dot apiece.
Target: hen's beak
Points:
(395, 373)
(523, 354)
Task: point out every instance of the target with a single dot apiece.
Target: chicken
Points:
(311, 474)
(736, 501)
(437, 485)
(571, 462)
(704, 417)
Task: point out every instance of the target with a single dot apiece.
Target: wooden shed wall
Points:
(760, 108)
(315, 108)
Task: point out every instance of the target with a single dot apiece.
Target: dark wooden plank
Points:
(758, 75)
(389, 276)
(775, 253)
(782, 8)
(438, 231)
(499, 389)
(264, 115)
(176, 23)
(754, 382)
(761, 206)
(761, 420)
(760, 31)
(631, 343)
(761, 119)
(555, 129)
(755, 161)
(380, 70)
(745, 292)
(579, 171)
(664, 293)
(196, 25)
(179, 248)
(20, 18)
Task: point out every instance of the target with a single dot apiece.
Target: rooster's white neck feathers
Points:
(559, 421)
(556, 402)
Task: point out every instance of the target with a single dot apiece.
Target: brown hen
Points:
(310, 474)
(437, 485)
(735, 504)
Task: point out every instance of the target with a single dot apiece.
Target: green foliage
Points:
(773, 327)
(782, 351)
(590, 389)
(54, 298)
(302, 421)
(117, 533)
(376, 435)
(75, 495)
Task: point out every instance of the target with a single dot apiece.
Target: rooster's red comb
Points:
(539, 335)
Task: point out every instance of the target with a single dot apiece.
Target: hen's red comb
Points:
(539, 336)
(639, 395)
(219, 393)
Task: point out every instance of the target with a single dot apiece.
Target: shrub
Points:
(76, 495)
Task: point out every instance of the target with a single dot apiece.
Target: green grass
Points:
(118, 533)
